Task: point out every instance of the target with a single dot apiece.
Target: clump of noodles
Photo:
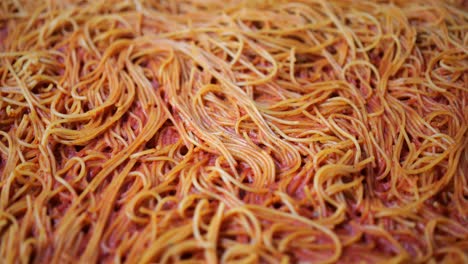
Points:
(233, 131)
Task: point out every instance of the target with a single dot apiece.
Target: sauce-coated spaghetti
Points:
(233, 131)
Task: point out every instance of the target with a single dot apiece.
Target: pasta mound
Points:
(233, 131)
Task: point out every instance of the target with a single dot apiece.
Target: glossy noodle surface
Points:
(233, 131)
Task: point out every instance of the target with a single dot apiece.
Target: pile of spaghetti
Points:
(233, 131)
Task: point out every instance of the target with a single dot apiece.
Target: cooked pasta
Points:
(233, 131)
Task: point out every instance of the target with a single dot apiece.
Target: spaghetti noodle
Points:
(233, 131)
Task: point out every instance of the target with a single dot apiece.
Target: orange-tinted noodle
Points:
(233, 131)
